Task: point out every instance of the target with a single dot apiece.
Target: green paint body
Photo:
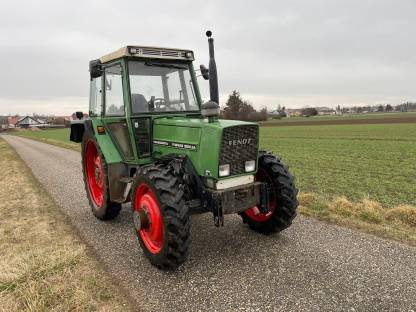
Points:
(196, 131)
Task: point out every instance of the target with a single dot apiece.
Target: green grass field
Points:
(343, 117)
(362, 176)
(357, 161)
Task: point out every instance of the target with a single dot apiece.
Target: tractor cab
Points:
(150, 140)
(157, 80)
(133, 86)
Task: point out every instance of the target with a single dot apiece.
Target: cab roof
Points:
(149, 52)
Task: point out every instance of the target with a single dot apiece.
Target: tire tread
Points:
(286, 193)
(176, 216)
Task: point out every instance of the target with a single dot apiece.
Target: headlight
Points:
(250, 165)
(224, 170)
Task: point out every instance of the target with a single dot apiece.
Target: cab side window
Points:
(96, 97)
(114, 104)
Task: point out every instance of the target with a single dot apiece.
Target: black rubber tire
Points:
(109, 210)
(169, 192)
(286, 197)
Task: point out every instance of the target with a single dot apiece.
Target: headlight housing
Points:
(250, 165)
(224, 170)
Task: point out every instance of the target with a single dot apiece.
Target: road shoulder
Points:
(45, 265)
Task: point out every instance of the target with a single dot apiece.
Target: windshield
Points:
(157, 86)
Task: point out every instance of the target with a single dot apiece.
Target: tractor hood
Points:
(207, 144)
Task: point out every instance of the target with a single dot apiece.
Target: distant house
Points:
(277, 112)
(12, 121)
(294, 112)
(325, 111)
(28, 121)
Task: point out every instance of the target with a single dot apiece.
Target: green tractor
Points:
(150, 140)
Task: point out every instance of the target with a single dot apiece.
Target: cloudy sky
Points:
(296, 53)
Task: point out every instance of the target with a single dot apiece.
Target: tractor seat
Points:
(139, 103)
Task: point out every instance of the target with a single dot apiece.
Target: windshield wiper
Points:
(165, 65)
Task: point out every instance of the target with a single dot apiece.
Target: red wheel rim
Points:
(95, 176)
(254, 213)
(152, 235)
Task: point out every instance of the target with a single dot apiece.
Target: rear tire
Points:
(282, 197)
(94, 169)
(166, 239)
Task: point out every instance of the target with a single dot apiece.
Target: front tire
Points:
(94, 169)
(165, 235)
(282, 197)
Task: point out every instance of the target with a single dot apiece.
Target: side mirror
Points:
(204, 72)
(79, 115)
(96, 69)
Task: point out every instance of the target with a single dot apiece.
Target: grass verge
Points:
(44, 266)
(58, 137)
(398, 223)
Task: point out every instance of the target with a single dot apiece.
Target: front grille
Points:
(239, 144)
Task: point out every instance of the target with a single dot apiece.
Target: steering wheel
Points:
(158, 103)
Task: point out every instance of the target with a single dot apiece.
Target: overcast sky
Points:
(293, 53)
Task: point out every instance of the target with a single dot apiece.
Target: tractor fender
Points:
(78, 127)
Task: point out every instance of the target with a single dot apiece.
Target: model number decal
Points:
(175, 144)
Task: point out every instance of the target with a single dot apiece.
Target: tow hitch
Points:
(236, 200)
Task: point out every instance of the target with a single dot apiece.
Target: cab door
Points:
(114, 110)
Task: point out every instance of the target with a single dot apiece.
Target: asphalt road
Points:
(312, 266)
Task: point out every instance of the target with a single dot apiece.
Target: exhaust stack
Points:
(213, 78)
(211, 109)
